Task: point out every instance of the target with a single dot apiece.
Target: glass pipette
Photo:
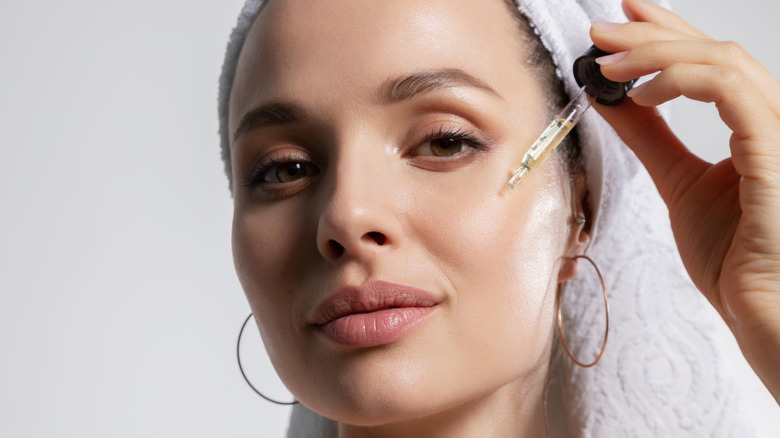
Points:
(594, 86)
(561, 125)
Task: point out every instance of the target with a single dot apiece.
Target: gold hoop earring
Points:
(558, 304)
(238, 356)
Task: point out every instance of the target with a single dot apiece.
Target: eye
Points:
(289, 172)
(282, 171)
(447, 143)
(446, 147)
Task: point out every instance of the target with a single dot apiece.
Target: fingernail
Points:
(637, 90)
(611, 59)
(605, 26)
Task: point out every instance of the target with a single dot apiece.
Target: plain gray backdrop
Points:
(119, 306)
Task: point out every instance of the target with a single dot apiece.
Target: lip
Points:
(374, 314)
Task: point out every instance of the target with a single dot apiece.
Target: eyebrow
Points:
(270, 114)
(406, 87)
(394, 90)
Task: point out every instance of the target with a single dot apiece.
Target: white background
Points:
(119, 306)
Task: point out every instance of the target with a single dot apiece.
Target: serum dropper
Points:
(594, 86)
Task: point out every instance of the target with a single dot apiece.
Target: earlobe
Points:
(580, 232)
(569, 269)
(579, 237)
(581, 212)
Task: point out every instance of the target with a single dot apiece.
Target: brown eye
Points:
(446, 147)
(289, 172)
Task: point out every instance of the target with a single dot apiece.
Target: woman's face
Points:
(391, 271)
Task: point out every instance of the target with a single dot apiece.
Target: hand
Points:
(725, 217)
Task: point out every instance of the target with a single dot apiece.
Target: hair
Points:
(536, 56)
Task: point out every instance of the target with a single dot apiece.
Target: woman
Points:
(401, 289)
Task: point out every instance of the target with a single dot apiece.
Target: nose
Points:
(359, 217)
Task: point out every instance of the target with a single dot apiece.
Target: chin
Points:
(384, 400)
(380, 410)
(391, 399)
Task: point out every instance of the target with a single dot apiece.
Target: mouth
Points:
(377, 313)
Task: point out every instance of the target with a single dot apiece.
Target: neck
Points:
(514, 410)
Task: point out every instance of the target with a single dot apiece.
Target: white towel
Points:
(664, 372)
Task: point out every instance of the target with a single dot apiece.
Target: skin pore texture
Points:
(373, 143)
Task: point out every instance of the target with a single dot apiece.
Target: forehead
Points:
(296, 47)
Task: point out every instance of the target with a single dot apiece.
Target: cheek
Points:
(266, 256)
(274, 253)
(262, 250)
(500, 252)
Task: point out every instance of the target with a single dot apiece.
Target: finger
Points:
(614, 37)
(667, 160)
(755, 144)
(640, 10)
(658, 55)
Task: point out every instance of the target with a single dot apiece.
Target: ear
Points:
(579, 228)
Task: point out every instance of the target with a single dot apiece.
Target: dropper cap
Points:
(588, 73)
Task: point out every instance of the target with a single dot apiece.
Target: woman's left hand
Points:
(725, 217)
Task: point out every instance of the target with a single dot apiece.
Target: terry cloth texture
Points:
(664, 372)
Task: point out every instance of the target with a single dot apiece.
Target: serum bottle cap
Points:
(602, 90)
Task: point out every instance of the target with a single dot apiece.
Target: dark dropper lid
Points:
(604, 91)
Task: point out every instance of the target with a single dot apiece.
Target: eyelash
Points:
(467, 137)
(257, 176)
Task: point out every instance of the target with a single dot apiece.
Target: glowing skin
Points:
(378, 202)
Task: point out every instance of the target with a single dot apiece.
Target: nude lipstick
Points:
(377, 313)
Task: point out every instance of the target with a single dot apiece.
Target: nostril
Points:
(336, 249)
(377, 237)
